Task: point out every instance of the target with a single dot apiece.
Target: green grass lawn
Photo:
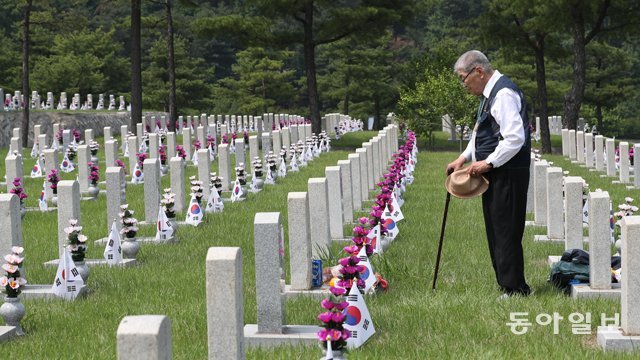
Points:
(462, 319)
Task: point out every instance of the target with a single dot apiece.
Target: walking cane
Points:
(444, 223)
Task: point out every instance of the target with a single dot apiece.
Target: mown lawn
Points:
(461, 320)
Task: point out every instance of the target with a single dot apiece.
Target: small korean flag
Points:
(113, 250)
(389, 223)
(269, 179)
(212, 153)
(66, 165)
(68, 281)
(138, 176)
(294, 163)
(42, 201)
(367, 275)
(394, 209)
(357, 320)
(194, 214)
(36, 172)
(237, 192)
(165, 230)
(376, 241)
(125, 152)
(34, 150)
(194, 158)
(143, 147)
(282, 169)
(214, 203)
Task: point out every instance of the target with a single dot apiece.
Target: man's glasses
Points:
(466, 76)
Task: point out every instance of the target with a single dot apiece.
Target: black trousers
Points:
(504, 206)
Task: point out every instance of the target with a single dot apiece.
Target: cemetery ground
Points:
(461, 319)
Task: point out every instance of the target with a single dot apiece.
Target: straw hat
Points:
(464, 186)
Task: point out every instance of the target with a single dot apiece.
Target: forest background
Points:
(359, 57)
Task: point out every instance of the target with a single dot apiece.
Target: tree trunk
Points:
(136, 67)
(310, 65)
(545, 136)
(26, 91)
(173, 107)
(601, 128)
(347, 81)
(573, 99)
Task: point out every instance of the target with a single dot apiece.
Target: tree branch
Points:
(602, 13)
(524, 34)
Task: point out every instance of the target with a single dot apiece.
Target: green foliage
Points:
(81, 62)
(261, 83)
(438, 94)
(193, 92)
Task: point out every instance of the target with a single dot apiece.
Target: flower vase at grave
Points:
(94, 157)
(93, 191)
(173, 223)
(164, 169)
(83, 269)
(130, 248)
(12, 312)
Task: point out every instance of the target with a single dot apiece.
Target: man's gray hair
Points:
(472, 59)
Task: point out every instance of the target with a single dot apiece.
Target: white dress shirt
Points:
(506, 110)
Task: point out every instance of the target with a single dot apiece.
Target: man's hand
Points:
(479, 167)
(455, 165)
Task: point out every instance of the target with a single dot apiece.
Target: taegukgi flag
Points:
(113, 250)
(68, 281)
(358, 320)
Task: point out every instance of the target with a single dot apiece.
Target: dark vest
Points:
(488, 132)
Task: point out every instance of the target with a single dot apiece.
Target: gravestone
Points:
(10, 223)
(302, 134)
(107, 133)
(204, 171)
(286, 140)
(266, 144)
(115, 195)
(565, 142)
(270, 330)
(144, 337)
(240, 154)
(540, 187)
(176, 166)
(200, 135)
(354, 159)
(377, 171)
(253, 149)
(599, 145)
(13, 167)
(347, 197)
(276, 142)
(294, 133)
(171, 145)
(588, 141)
(83, 167)
(110, 152)
(580, 146)
(300, 247)
(610, 150)
(151, 190)
(154, 146)
(599, 241)
(555, 218)
(124, 133)
(624, 162)
(364, 173)
(627, 336)
(186, 141)
(224, 166)
(88, 136)
(573, 212)
(15, 145)
(68, 208)
(371, 177)
(133, 149)
(319, 212)
(225, 303)
(332, 174)
(530, 192)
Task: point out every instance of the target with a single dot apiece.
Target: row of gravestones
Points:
(17, 102)
(69, 207)
(598, 153)
(228, 336)
(558, 205)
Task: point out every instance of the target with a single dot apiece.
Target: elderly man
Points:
(500, 150)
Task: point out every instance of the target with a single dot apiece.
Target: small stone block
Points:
(291, 335)
(611, 338)
(144, 337)
(584, 291)
(7, 332)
